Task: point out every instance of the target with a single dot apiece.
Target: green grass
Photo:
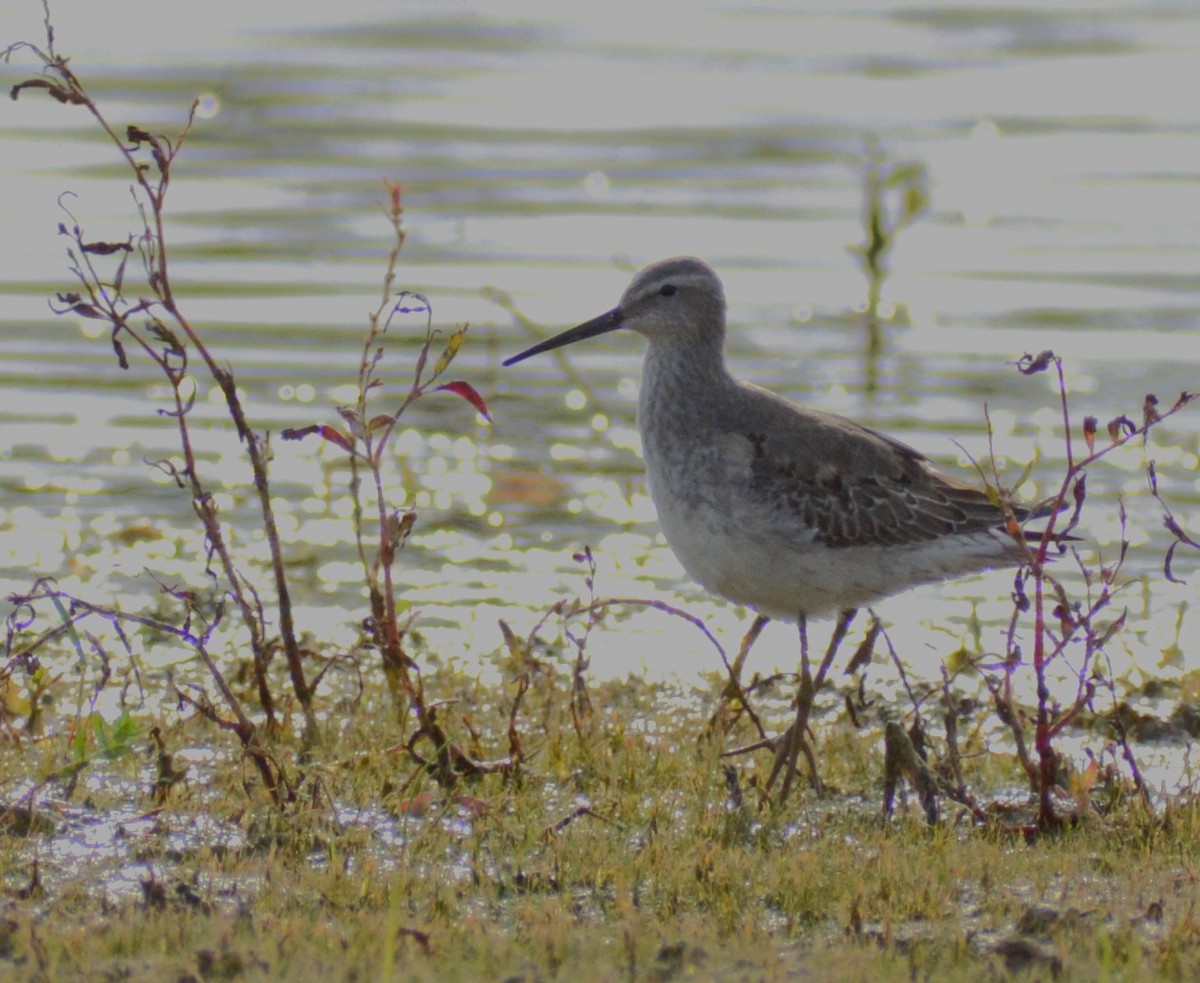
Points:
(663, 879)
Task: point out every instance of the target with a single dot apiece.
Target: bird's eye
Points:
(667, 291)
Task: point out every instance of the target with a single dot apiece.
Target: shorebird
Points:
(785, 509)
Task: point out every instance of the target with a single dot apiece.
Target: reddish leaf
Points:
(1119, 428)
(396, 194)
(467, 392)
(336, 437)
(1089, 432)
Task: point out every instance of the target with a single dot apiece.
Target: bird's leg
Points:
(795, 738)
(787, 746)
(733, 689)
(835, 642)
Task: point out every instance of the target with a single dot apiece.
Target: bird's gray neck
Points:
(683, 390)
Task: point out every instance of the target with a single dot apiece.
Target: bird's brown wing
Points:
(848, 485)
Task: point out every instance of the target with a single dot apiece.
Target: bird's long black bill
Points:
(609, 321)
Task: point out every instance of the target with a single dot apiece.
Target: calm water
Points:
(547, 152)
